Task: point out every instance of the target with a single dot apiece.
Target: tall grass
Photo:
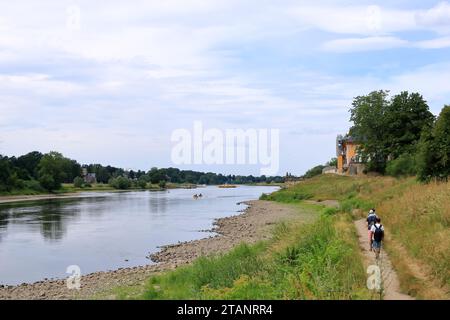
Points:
(420, 220)
(303, 261)
(416, 215)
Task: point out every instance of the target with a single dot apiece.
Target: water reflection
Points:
(105, 231)
(158, 203)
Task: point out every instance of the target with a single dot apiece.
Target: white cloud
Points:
(437, 43)
(135, 72)
(361, 20)
(364, 44)
(435, 17)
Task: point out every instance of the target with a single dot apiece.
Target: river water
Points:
(106, 231)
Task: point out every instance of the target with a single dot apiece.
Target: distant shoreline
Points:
(7, 199)
(40, 197)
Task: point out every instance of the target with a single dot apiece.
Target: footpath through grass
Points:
(417, 217)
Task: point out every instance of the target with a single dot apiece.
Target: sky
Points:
(109, 82)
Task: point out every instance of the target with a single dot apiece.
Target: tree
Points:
(29, 163)
(387, 128)
(48, 182)
(51, 170)
(142, 182)
(332, 162)
(6, 172)
(406, 116)
(315, 171)
(78, 182)
(121, 183)
(162, 184)
(368, 116)
(434, 149)
(72, 169)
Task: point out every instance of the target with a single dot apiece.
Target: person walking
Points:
(377, 231)
(371, 219)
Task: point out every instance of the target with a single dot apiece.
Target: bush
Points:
(142, 183)
(317, 170)
(48, 183)
(162, 184)
(33, 185)
(120, 183)
(287, 196)
(434, 149)
(404, 165)
(78, 182)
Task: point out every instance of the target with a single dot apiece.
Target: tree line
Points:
(48, 172)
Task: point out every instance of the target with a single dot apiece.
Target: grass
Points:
(417, 217)
(321, 259)
(317, 260)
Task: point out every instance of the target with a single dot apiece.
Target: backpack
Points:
(378, 234)
(371, 220)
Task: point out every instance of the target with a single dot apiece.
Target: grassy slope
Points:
(302, 261)
(416, 215)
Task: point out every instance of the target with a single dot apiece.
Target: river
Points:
(107, 230)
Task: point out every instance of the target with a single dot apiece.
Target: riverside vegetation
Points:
(417, 216)
(315, 260)
(321, 259)
(37, 173)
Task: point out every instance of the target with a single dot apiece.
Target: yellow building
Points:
(348, 159)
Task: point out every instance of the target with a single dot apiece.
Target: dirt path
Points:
(252, 225)
(390, 282)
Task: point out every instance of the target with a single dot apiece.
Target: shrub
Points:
(142, 183)
(48, 183)
(404, 165)
(121, 183)
(78, 182)
(33, 185)
(162, 184)
(317, 170)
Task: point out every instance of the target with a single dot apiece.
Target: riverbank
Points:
(252, 225)
(73, 193)
(69, 192)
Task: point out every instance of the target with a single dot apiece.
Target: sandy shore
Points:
(252, 225)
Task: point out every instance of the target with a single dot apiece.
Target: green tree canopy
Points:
(434, 149)
(388, 128)
(406, 116)
(54, 169)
